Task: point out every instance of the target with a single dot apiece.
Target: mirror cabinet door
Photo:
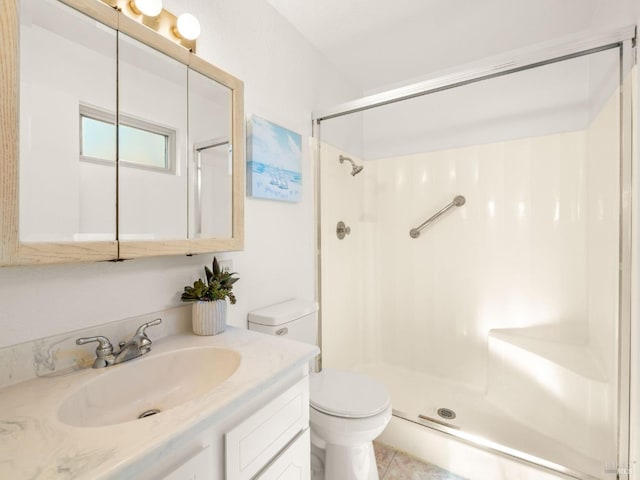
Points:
(152, 144)
(67, 168)
(211, 165)
(120, 149)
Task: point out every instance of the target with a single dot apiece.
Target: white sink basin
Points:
(155, 382)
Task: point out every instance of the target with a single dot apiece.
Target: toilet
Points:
(347, 410)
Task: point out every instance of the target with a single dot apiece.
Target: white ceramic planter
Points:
(209, 318)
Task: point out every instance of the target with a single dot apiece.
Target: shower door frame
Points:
(576, 46)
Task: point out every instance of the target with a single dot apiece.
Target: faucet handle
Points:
(141, 334)
(142, 329)
(104, 347)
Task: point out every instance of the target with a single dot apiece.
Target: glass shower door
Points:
(500, 320)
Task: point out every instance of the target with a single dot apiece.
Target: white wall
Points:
(285, 78)
(382, 44)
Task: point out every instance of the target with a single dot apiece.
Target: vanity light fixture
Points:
(182, 30)
(187, 27)
(150, 8)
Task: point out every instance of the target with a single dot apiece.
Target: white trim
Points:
(625, 292)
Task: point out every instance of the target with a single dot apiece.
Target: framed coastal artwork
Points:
(274, 161)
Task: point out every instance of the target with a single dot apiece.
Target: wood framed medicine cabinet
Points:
(66, 197)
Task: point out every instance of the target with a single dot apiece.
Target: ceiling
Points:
(382, 44)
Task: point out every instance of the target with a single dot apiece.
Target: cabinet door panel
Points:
(198, 467)
(152, 141)
(293, 463)
(256, 441)
(66, 194)
(211, 165)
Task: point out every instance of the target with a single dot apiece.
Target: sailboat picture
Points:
(274, 161)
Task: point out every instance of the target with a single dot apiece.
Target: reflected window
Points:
(98, 139)
(142, 144)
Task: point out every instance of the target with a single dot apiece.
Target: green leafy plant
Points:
(218, 285)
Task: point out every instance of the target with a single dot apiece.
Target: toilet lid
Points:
(347, 394)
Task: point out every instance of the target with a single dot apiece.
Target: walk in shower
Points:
(479, 262)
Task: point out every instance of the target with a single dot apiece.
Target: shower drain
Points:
(446, 413)
(148, 413)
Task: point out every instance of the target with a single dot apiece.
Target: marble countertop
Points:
(34, 443)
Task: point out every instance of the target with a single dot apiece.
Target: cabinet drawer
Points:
(198, 467)
(292, 464)
(256, 441)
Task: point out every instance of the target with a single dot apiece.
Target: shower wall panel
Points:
(603, 223)
(602, 180)
(513, 256)
(344, 323)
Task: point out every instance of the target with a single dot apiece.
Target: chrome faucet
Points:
(138, 345)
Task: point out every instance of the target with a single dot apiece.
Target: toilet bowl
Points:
(347, 410)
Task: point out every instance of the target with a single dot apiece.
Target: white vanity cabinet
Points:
(266, 437)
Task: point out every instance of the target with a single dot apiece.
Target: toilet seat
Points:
(347, 394)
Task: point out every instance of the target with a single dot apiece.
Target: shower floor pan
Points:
(416, 396)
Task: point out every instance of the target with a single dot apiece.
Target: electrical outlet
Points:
(226, 265)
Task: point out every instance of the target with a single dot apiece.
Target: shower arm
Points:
(458, 201)
(342, 158)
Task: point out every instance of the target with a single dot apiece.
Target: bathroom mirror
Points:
(211, 155)
(63, 198)
(117, 142)
(152, 143)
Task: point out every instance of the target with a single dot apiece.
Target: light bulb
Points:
(188, 26)
(150, 8)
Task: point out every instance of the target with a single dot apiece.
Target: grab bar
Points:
(458, 201)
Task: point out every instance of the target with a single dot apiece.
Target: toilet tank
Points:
(294, 319)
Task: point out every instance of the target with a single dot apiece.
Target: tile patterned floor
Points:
(396, 465)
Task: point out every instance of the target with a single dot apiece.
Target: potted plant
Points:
(209, 312)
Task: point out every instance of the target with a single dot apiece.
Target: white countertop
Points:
(34, 443)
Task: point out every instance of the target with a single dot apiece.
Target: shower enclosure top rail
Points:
(550, 52)
(457, 201)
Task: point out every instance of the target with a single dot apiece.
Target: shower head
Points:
(355, 169)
